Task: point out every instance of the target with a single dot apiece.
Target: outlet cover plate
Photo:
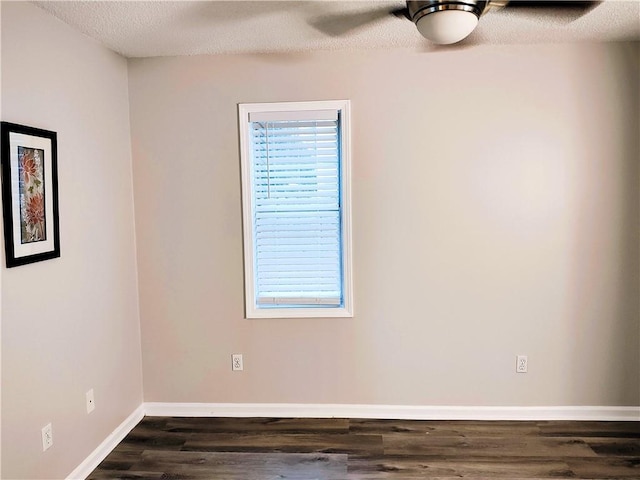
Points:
(522, 364)
(47, 437)
(236, 362)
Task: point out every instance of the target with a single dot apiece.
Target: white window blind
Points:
(296, 208)
(295, 165)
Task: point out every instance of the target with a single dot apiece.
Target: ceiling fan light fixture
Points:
(446, 21)
(447, 26)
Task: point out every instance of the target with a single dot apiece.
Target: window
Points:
(296, 209)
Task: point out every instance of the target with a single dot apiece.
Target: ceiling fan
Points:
(444, 22)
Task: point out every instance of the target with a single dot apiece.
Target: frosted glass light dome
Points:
(447, 26)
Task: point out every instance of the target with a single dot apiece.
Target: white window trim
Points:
(251, 311)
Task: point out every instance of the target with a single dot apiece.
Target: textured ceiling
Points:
(167, 28)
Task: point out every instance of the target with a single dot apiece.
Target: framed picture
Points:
(29, 194)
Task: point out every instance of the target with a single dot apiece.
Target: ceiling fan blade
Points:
(336, 25)
(401, 13)
(571, 8)
(553, 3)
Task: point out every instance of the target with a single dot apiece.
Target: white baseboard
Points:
(83, 470)
(394, 412)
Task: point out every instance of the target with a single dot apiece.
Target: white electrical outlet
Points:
(522, 364)
(91, 404)
(236, 362)
(47, 437)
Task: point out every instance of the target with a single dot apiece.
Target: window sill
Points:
(310, 312)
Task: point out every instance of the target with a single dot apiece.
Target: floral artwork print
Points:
(31, 183)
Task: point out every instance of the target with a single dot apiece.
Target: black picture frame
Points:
(30, 209)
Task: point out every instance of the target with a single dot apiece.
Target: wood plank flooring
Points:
(344, 449)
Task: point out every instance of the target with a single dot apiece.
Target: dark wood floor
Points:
(343, 449)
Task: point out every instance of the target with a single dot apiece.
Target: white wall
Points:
(70, 324)
(495, 212)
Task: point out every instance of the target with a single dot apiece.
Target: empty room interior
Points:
(487, 254)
